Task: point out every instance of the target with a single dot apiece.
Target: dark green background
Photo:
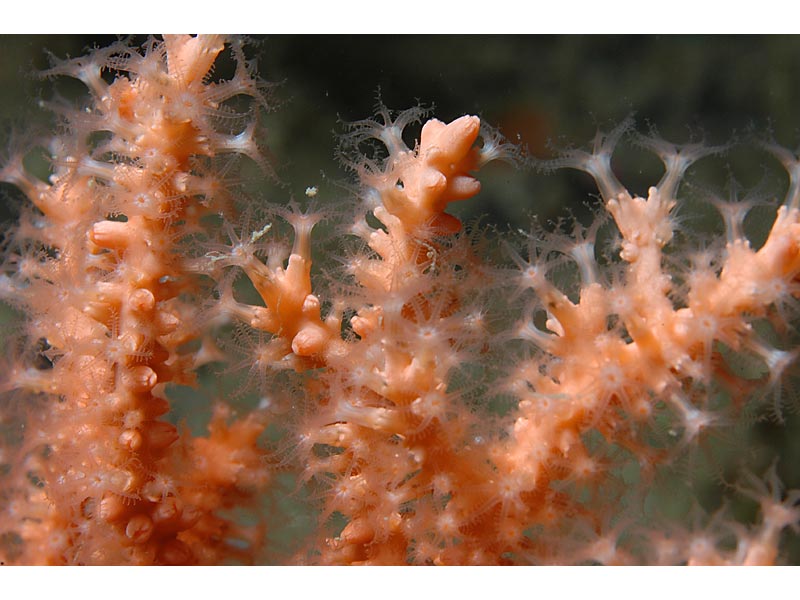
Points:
(534, 88)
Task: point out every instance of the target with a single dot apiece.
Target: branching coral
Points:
(100, 477)
(440, 402)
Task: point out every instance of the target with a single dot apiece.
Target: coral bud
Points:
(140, 379)
(112, 508)
(111, 234)
(139, 529)
(168, 510)
(88, 508)
(142, 300)
(309, 340)
(166, 322)
(122, 481)
(366, 321)
(311, 305)
(433, 182)
(358, 531)
(451, 141)
(462, 187)
(160, 435)
(131, 439)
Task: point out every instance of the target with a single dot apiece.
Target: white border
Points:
(409, 16)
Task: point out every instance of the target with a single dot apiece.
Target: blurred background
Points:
(535, 89)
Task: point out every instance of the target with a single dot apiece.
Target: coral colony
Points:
(430, 393)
